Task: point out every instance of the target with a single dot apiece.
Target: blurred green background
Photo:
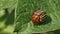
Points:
(7, 11)
(6, 21)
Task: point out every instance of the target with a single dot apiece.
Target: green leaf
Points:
(7, 12)
(7, 3)
(25, 9)
(6, 33)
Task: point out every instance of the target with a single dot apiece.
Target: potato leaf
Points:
(25, 9)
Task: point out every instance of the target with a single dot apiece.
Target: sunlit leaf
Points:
(26, 8)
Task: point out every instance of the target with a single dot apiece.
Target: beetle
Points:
(38, 16)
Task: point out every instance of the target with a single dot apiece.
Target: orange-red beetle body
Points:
(38, 16)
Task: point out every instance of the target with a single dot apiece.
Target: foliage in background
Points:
(7, 8)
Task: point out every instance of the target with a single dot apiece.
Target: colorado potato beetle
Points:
(38, 16)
